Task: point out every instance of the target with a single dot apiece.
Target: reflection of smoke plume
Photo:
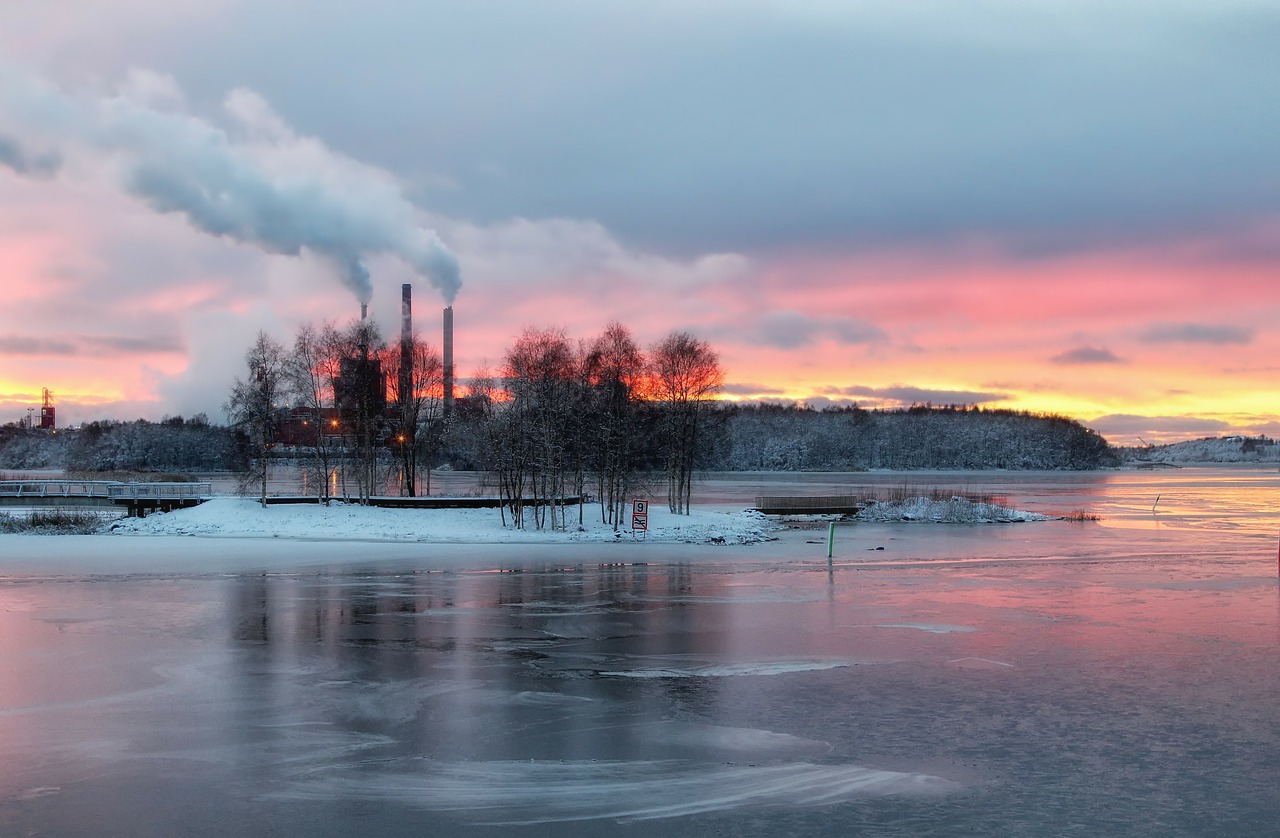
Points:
(262, 185)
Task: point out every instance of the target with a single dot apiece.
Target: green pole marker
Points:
(831, 539)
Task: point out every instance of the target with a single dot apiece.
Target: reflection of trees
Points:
(252, 610)
(439, 662)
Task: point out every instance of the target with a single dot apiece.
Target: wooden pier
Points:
(810, 505)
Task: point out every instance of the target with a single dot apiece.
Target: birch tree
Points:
(254, 401)
(685, 374)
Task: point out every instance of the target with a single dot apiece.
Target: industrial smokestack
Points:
(406, 343)
(448, 360)
(364, 311)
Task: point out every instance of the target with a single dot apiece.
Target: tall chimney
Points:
(448, 360)
(364, 311)
(406, 343)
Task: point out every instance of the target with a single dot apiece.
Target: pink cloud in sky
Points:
(125, 309)
(871, 323)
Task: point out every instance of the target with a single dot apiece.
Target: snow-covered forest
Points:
(797, 438)
(173, 444)
(1227, 449)
(738, 438)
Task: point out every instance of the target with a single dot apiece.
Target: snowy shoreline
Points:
(246, 518)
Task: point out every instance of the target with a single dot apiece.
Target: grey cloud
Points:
(1054, 126)
(32, 346)
(1057, 126)
(791, 329)
(1270, 427)
(87, 345)
(907, 395)
(1084, 355)
(135, 345)
(1197, 333)
(1128, 424)
(740, 389)
(41, 165)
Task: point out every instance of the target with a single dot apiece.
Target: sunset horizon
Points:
(1070, 212)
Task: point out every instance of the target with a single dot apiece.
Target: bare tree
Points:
(684, 374)
(253, 404)
(614, 369)
(485, 423)
(360, 395)
(312, 368)
(538, 374)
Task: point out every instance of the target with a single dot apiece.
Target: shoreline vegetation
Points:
(55, 520)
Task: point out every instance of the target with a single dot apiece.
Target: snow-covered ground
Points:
(245, 518)
(957, 510)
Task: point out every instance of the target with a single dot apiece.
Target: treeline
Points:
(172, 444)
(800, 438)
(610, 433)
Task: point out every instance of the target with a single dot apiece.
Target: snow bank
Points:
(242, 517)
(957, 510)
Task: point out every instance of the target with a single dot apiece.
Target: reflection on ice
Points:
(518, 792)
(539, 698)
(932, 628)
(980, 663)
(729, 742)
(729, 670)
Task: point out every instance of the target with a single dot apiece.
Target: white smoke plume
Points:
(254, 182)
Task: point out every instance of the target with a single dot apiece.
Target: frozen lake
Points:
(1068, 678)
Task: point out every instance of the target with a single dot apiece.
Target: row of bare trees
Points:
(563, 419)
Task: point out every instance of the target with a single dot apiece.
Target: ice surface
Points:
(1066, 678)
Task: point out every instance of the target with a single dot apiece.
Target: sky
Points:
(1070, 208)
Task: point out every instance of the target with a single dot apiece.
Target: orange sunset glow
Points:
(946, 240)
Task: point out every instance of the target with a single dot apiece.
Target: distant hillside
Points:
(737, 438)
(799, 438)
(1226, 449)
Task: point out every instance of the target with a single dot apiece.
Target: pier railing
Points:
(164, 491)
(810, 505)
(56, 488)
(101, 489)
